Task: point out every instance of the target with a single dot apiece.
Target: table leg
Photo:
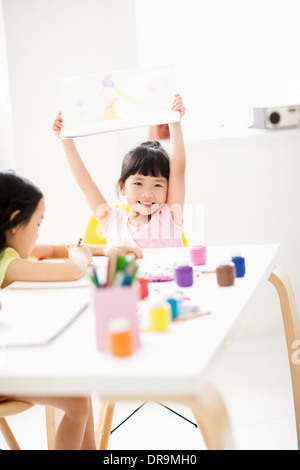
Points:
(212, 419)
(104, 423)
(208, 408)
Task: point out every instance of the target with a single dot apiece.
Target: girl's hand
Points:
(122, 250)
(82, 252)
(58, 125)
(178, 105)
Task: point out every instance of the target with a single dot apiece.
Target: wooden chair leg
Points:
(104, 423)
(50, 427)
(8, 435)
(212, 419)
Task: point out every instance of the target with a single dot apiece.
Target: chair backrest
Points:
(281, 282)
(94, 232)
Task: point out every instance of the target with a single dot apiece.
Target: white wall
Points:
(6, 135)
(251, 194)
(248, 186)
(47, 40)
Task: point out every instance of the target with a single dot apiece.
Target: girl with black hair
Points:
(22, 210)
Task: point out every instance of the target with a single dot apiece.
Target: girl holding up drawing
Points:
(153, 183)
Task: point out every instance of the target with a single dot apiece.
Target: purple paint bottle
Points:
(184, 275)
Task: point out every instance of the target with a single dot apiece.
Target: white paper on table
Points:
(84, 282)
(36, 318)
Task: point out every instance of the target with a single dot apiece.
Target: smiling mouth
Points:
(148, 204)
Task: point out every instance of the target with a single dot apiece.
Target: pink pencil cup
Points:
(115, 302)
(198, 254)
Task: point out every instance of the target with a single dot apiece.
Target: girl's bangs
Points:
(151, 163)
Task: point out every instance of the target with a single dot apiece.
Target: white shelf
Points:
(233, 133)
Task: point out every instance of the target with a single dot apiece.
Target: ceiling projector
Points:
(276, 117)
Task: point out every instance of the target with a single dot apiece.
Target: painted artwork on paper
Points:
(107, 102)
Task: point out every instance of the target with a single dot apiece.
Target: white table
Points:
(168, 366)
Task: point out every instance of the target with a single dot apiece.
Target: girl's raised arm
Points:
(176, 188)
(98, 205)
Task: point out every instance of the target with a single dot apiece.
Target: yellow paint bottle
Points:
(159, 315)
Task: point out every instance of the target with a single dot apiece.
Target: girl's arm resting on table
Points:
(61, 251)
(176, 188)
(31, 271)
(103, 250)
(49, 252)
(98, 205)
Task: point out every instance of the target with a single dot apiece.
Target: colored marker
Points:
(96, 277)
(93, 280)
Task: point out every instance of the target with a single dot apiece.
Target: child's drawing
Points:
(109, 94)
(105, 102)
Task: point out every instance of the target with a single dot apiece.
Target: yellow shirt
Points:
(6, 257)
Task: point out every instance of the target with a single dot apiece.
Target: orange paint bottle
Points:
(120, 339)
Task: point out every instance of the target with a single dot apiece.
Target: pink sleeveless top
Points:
(160, 232)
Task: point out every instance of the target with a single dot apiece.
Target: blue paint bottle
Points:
(174, 306)
(240, 266)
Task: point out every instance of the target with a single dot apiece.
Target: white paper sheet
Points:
(107, 102)
(36, 318)
(84, 282)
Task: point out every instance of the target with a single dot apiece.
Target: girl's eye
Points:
(138, 183)
(158, 186)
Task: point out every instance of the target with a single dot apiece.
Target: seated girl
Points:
(22, 210)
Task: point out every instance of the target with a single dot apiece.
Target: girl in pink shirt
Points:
(153, 183)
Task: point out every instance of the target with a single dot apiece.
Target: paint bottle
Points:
(159, 315)
(240, 266)
(120, 339)
(174, 304)
(143, 288)
(225, 273)
(198, 254)
(184, 275)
